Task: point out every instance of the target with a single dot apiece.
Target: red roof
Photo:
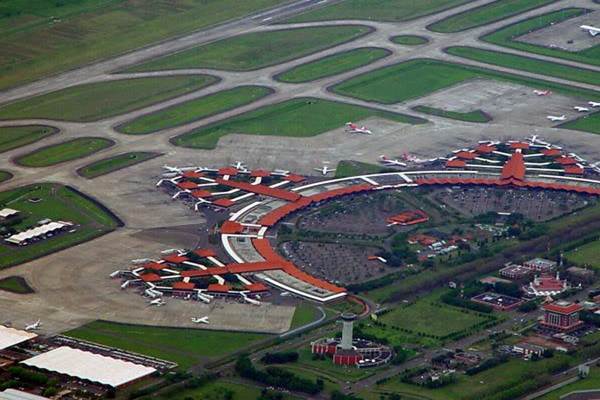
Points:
(466, 155)
(187, 185)
(277, 214)
(261, 189)
(257, 287)
(519, 145)
(567, 309)
(183, 286)
(227, 171)
(154, 266)
(573, 169)
(485, 148)
(231, 228)
(341, 192)
(409, 217)
(551, 152)
(566, 161)
(205, 253)
(456, 163)
(192, 174)
(260, 173)
(514, 168)
(223, 202)
(548, 283)
(215, 287)
(294, 178)
(150, 277)
(199, 194)
(175, 259)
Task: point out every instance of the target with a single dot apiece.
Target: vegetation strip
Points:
(120, 161)
(410, 40)
(12, 137)
(477, 116)
(15, 284)
(63, 152)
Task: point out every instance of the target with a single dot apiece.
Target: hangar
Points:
(10, 337)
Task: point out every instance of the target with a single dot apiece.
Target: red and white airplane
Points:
(542, 92)
(390, 162)
(353, 128)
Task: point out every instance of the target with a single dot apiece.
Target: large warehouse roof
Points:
(10, 337)
(12, 394)
(92, 367)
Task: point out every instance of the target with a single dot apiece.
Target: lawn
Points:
(94, 101)
(44, 37)
(257, 50)
(193, 110)
(186, 347)
(347, 168)
(59, 203)
(327, 367)
(299, 117)
(586, 255)
(377, 10)
(12, 137)
(304, 314)
(589, 383)
(217, 390)
(486, 14)
(108, 165)
(333, 65)
(63, 152)
(410, 40)
(15, 284)
(420, 77)
(527, 64)
(476, 116)
(4, 176)
(508, 36)
(587, 123)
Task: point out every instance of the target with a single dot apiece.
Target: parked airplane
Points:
(554, 118)
(353, 128)
(542, 92)
(35, 326)
(157, 302)
(594, 103)
(388, 161)
(414, 159)
(238, 165)
(179, 169)
(203, 320)
(325, 170)
(592, 30)
(581, 109)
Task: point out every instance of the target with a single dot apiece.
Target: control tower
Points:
(347, 319)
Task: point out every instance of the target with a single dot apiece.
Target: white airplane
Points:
(416, 160)
(238, 165)
(388, 161)
(325, 170)
(280, 172)
(203, 320)
(581, 109)
(554, 118)
(353, 128)
(157, 302)
(35, 326)
(179, 169)
(542, 92)
(592, 30)
(594, 103)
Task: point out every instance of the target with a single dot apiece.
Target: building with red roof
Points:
(225, 203)
(205, 253)
(456, 163)
(192, 174)
(150, 277)
(547, 285)
(257, 287)
(466, 155)
(562, 316)
(231, 171)
(566, 160)
(260, 173)
(186, 286)
(519, 145)
(218, 288)
(187, 185)
(411, 217)
(573, 170)
(201, 194)
(175, 259)
(551, 152)
(514, 168)
(232, 228)
(485, 149)
(154, 266)
(294, 178)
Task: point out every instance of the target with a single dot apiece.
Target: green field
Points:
(63, 152)
(94, 101)
(586, 255)
(377, 10)
(589, 383)
(333, 65)
(186, 347)
(257, 50)
(12, 137)
(43, 37)
(304, 314)
(346, 168)
(508, 36)
(410, 40)
(15, 284)
(4, 176)
(420, 77)
(486, 14)
(108, 165)
(192, 110)
(59, 203)
(587, 123)
(527, 64)
(217, 390)
(476, 116)
(300, 117)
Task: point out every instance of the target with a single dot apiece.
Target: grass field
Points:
(300, 117)
(327, 368)
(108, 165)
(305, 313)
(12, 137)
(420, 77)
(587, 123)
(63, 152)
(186, 347)
(377, 10)
(57, 202)
(477, 116)
(486, 14)
(78, 32)
(508, 36)
(94, 101)
(346, 168)
(589, 383)
(587, 254)
(333, 65)
(217, 390)
(527, 64)
(194, 110)
(15, 284)
(257, 50)
(410, 40)
(4, 176)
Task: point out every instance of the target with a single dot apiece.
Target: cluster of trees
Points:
(20, 376)
(453, 298)
(280, 357)
(400, 252)
(277, 377)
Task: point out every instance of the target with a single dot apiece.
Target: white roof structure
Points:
(10, 337)
(37, 231)
(12, 394)
(7, 212)
(89, 366)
